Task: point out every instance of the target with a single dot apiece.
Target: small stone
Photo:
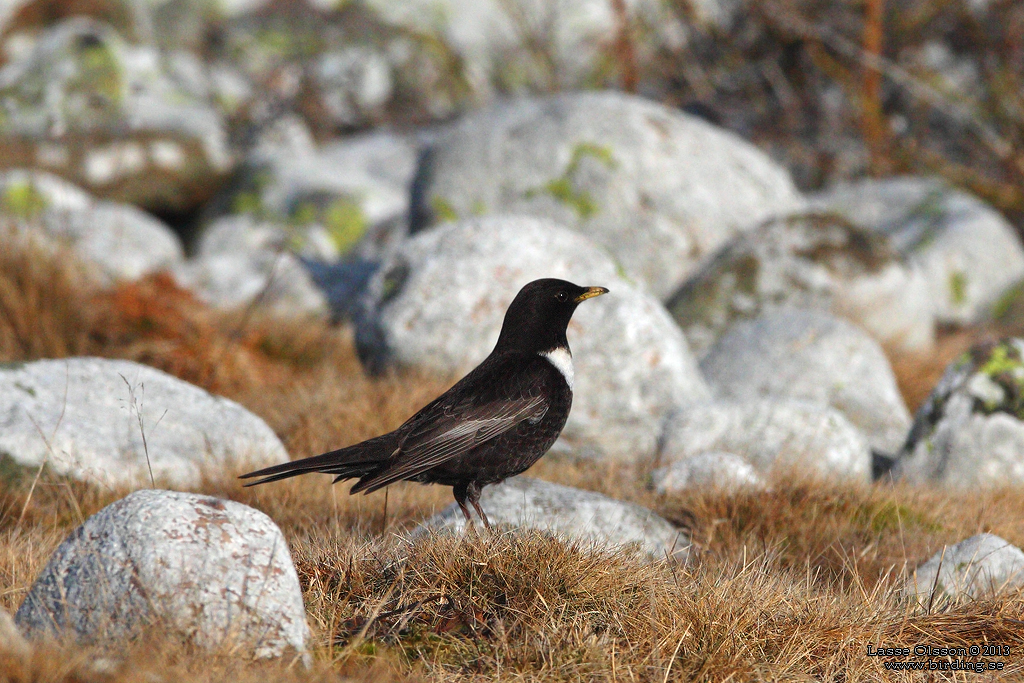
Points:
(215, 572)
(241, 260)
(977, 568)
(570, 513)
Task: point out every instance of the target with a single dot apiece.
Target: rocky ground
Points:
(237, 233)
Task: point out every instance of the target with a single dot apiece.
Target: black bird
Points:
(493, 424)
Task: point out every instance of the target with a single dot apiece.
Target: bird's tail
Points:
(346, 463)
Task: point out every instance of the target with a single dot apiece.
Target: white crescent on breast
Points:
(562, 360)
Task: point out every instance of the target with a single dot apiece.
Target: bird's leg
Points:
(461, 493)
(473, 492)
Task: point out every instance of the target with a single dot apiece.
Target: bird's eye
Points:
(562, 296)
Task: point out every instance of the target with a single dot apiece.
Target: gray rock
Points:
(12, 642)
(524, 45)
(661, 190)
(121, 241)
(81, 417)
(241, 261)
(354, 84)
(811, 356)
(213, 571)
(790, 435)
(570, 513)
(812, 261)
(355, 189)
(976, 568)
(107, 116)
(438, 304)
(969, 253)
(708, 470)
(970, 431)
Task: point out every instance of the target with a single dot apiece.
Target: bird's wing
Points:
(476, 410)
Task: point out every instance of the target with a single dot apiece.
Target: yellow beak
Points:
(591, 293)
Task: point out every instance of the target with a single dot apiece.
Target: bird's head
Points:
(537, 318)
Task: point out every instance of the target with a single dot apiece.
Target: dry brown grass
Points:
(791, 583)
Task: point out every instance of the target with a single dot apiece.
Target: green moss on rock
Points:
(24, 200)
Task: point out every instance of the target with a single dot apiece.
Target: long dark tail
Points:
(347, 463)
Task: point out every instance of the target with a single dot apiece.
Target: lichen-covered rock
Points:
(970, 431)
(354, 189)
(812, 261)
(770, 434)
(106, 115)
(571, 513)
(976, 568)
(439, 302)
(241, 261)
(86, 418)
(215, 572)
(120, 241)
(528, 46)
(969, 253)
(708, 470)
(661, 190)
(811, 356)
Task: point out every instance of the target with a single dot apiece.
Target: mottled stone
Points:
(812, 261)
(974, 569)
(811, 356)
(439, 302)
(969, 431)
(108, 116)
(215, 572)
(572, 514)
(969, 253)
(241, 261)
(81, 416)
(119, 241)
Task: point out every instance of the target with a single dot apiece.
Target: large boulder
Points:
(105, 114)
(809, 355)
(212, 571)
(113, 421)
(242, 261)
(770, 434)
(119, 240)
(974, 569)
(970, 431)
(813, 261)
(661, 190)
(439, 302)
(969, 253)
(571, 513)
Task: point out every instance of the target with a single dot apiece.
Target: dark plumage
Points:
(493, 424)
